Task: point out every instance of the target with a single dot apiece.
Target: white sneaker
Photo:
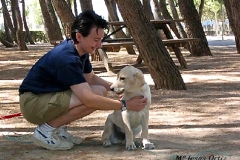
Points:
(67, 136)
(50, 140)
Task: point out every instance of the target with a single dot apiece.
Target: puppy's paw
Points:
(106, 143)
(148, 145)
(130, 146)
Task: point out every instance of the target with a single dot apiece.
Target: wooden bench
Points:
(174, 45)
(179, 42)
(115, 44)
(118, 40)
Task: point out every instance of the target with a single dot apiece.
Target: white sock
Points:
(46, 127)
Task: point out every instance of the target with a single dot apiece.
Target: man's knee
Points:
(99, 90)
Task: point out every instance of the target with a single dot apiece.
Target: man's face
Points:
(90, 43)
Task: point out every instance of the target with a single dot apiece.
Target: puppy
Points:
(123, 126)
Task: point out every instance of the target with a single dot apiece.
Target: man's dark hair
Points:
(85, 21)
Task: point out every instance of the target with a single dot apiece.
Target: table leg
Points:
(106, 62)
(176, 49)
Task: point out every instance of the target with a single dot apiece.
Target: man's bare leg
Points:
(46, 134)
(76, 109)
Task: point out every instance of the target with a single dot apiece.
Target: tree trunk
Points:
(8, 20)
(112, 11)
(230, 15)
(156, 8)
(158, 15)
(164, 72)
(7, 32)
(28, 35)
(215, 26)
(201, 6)
(166, 15)
(6, 43)
(51, 24)
(86, 5)
(235, 5)
(233, 9)
(147, 9)
(69, 2)
(194, 28)
(179, 26)
(19, 34)
(65, 14)
(14, 20)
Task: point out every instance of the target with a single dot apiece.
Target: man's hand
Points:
(136, 103)
(120, 96)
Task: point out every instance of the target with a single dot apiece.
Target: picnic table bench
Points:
(124, 42)
(165, 21)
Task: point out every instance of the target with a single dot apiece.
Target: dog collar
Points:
(124, 107)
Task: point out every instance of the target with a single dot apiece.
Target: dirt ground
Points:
(201, 123)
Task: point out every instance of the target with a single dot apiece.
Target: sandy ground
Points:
(200, 123)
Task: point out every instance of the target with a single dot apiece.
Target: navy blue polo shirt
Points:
(57, 70)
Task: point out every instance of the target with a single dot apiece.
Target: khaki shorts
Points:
(42, 108)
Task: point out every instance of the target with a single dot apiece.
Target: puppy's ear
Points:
(139, 78)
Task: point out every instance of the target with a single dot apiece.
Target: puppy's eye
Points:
(122, 78)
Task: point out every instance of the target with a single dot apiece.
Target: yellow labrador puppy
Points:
(123, 126)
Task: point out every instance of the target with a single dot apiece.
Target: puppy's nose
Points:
(111, 88)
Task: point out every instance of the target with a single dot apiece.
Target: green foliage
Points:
(37, 36)
(211, 7)
(2, 34)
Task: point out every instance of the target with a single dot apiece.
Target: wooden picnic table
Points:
(165, 21)
(129, 42)
(158, 24)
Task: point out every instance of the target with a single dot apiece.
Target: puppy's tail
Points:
(118, 133)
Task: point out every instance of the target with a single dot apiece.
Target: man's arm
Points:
(93, 79)
(89, 99)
